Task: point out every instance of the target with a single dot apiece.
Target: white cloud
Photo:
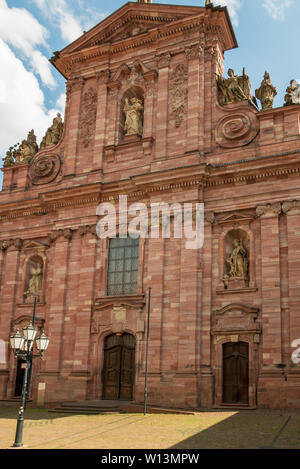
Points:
(59, 13)
(277, 8)
(23, 32)
(22, 105)
(233, 7)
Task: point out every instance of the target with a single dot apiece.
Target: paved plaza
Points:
(254, 429)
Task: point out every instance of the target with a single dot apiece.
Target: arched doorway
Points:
(119, 364)
(235, 373)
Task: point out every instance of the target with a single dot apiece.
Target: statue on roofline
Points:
(292, 93)
(144, 1)
(235, 88)
(266, 93)
(54, 133)
(21, 153)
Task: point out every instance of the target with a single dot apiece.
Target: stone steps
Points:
(105, 407)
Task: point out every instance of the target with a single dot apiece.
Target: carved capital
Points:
(103, 77)
(67, 233)
(209, 217)
(269, 210)
(194, 51)
(287, 207)
(18, 243)
(83, 230)
(74, 84)
(163, 60)
(54, 235)
(6, 244)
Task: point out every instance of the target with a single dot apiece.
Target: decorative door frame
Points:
(236, 323)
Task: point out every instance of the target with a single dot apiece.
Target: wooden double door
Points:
(119, 366)
(236, 373)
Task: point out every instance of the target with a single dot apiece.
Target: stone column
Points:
(57, 304)
(9, 281)
(194, 54)
(74, 91)
(149, 104)
(84, 309)
(189, 312)
(71, 304)
(292, 211)
(270, 284)
(155, 278)
(210, 93)
(102, 79)
(206, 385)
(162, 111)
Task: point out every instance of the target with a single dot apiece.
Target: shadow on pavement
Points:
(248, 430)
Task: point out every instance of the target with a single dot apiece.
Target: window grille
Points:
(122, 272)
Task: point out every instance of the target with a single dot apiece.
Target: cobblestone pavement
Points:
(207, 429)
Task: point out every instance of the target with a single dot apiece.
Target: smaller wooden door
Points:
(235, 373)
(118, 370)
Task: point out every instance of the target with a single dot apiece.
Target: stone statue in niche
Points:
(238, 263)
(54, 133)
(292, 93)
(266, 93)
(235, 88)
(133, 116)
(35, 282)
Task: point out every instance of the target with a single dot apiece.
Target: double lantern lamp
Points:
(23, 344)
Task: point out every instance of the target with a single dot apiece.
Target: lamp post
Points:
(23, 347)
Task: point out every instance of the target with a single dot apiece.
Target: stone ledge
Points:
(241, 290)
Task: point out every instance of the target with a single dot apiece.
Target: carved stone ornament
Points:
(178, 93)
(236, 317)
(292, 93)
(44, 168)
(237, 129)
(266, 93)
(87, 124)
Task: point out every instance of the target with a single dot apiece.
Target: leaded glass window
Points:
(122, 272)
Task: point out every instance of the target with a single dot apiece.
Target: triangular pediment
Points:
(131, 20)
(236, 217)
(32, 245)
(138, 24)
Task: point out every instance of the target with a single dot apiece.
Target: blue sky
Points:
(32, 91)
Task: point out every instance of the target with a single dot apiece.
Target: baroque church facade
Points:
(149, 115)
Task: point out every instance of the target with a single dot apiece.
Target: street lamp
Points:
(22, 345)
